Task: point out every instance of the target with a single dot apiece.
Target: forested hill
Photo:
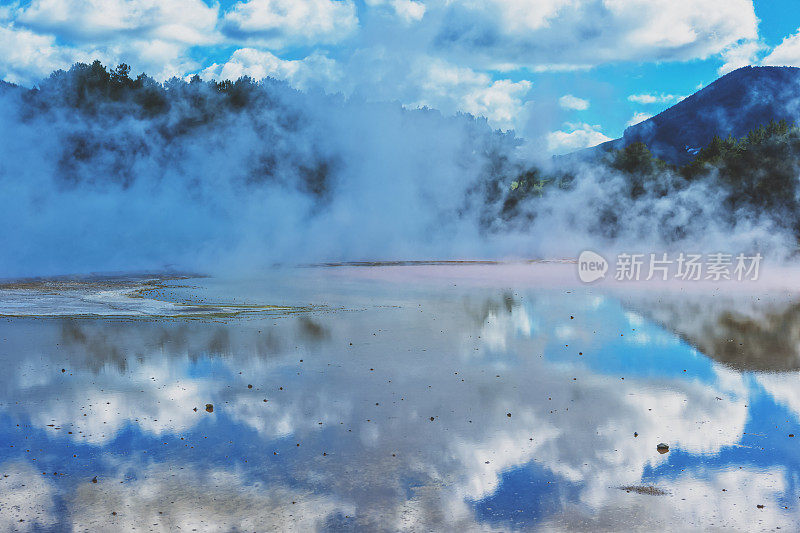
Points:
(733, 105)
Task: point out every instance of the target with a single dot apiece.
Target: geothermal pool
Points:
(397, 397)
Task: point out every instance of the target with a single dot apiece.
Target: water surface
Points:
(337, 399)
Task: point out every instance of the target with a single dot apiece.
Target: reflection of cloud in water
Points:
(784, 389)
(367, 405)
(186, 499)
(26, 498)
(692, 504)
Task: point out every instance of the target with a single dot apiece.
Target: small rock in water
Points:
(662, 448)
(210, 407)
(760, 506)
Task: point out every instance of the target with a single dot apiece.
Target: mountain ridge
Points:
(734, 104)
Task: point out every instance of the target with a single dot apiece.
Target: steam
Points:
(288, 177)
(200, 177)
(598, 213)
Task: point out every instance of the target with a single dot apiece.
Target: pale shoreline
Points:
(556, 274)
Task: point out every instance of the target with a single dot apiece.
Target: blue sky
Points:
(565, 74)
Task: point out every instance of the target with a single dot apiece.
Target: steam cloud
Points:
(104, 174)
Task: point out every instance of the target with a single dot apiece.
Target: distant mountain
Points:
(732, 105)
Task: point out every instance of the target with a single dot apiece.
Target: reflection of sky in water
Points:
(345, 439)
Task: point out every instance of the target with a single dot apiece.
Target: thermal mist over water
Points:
(191, 177)
(290, 178)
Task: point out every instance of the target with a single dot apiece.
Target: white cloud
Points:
(158, 37)
(582, 135)
(637, 118)
(525, 16)
(592, 32)
(184, 21)
(407, 10)
(573, 102)
(437, 53)
(448, 87)
(280, 23)
(159, 59)
(149, 35)
(419, 80)
(655, 98)
(787, 53)
(26, 57)
(500, 102)
(740, 55)
(314, 70)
